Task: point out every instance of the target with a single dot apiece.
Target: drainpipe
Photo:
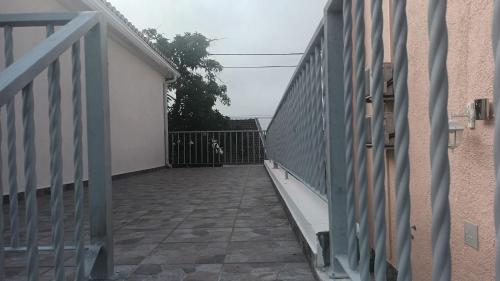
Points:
(165, 119)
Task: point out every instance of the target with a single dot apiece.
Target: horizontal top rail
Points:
(220, 131)
(36, 19)
(24, 70)
(315, 41)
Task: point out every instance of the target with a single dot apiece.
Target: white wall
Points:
(137, 140)
(136, 106)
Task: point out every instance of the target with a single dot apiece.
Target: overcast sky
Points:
(243, 26)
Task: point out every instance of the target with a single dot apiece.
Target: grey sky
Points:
(243, 26)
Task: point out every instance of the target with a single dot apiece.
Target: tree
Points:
(197, 89)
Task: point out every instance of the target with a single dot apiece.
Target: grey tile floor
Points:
(198, 224)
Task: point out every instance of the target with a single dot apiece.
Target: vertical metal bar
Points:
(225, 148)
(2, 254)
(56, 192)
(402, 140)
(178, 148)
(77, 161)
(99, 147)
(190, 149)
(307, 131)
(348, 116)
(57, 206)
(377, 90)
(496, 108)
(171, 147)
(318, 122)
(236, 147)
(253, 146)
(213, 149)
(360, 126)
(242, 149)
(248, 147)
(196, 148)
(30, 182)
(260, 147)
(219, 142)
(231, 147)
(208, 147)
(11, 147)
(335, 139)
(440, 165)
(184, 146)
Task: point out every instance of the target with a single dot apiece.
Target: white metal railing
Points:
(295, 135)
(296, 140)
(97, 260)
(216, 148)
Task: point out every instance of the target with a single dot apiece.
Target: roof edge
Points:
(122, 30)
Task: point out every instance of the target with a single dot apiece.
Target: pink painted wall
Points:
(470, 66)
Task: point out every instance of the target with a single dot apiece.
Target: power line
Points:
(260, 66)
(257, 54)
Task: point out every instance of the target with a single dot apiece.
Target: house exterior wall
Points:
(470, 70)
(136, 105)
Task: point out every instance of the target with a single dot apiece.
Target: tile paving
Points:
(199, 224)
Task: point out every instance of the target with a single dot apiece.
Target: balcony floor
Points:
(193, 224)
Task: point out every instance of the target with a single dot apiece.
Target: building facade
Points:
(137, 76)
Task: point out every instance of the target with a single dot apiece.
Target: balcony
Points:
(187, 224)
(317, 196)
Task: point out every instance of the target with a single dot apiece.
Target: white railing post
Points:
(335, 137)
(99, 149)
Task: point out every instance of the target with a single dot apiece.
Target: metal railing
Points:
(96, 259)
(321, 92)
(295, 136)
(216, 148)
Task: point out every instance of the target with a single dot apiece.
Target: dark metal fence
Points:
(215, 148)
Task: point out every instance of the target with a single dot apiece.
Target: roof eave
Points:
(124, 33)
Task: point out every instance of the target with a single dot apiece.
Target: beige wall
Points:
(470, 67)
(136, 105)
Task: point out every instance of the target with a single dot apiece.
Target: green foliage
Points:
(197, 89)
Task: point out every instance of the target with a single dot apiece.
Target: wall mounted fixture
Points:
(468, 114)
(482, 109)
(479, 109)
(456, 131)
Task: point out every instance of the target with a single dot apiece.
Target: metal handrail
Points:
(304, 121)
(24, 70)
(315, 40)
(97, 260)
(216, 131)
